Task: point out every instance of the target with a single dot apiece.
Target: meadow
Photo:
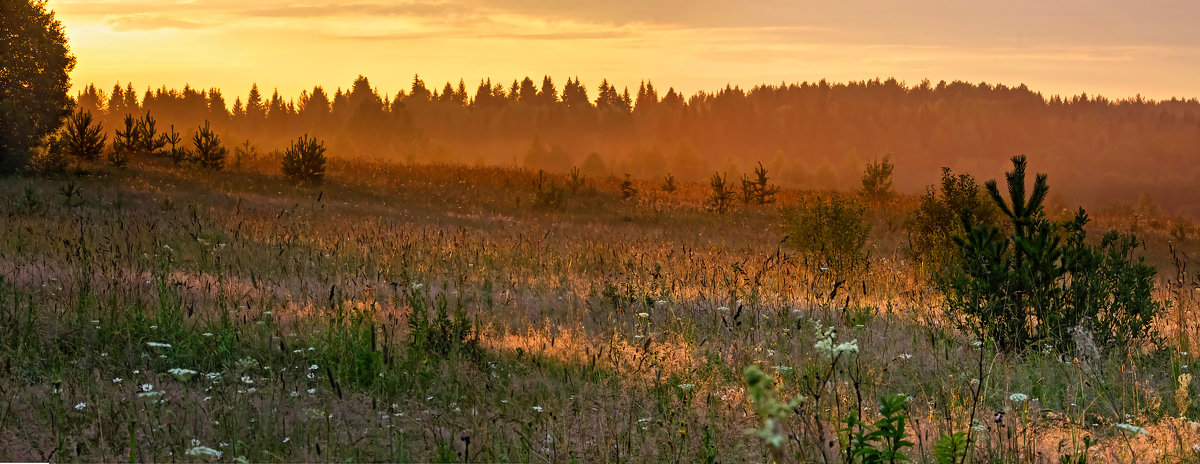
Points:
(452, 313)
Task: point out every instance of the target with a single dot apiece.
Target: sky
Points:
(1114, 48)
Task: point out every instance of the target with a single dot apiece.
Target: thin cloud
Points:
(147, 22)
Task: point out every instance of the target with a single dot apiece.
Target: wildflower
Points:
(158, 345)
(311, 376)
(643, 315)
(80, 406)
(195, 442)
(312, 391)
(198, 451)
(287, 439)
(905, 356)
(247, 379)
(207, 334)
(104, 354)
(537, 408)
(117, 380)
(1018, 397)
(782, 368)
(147, 387)
(1132, 429)
(687, 386)
(150, 394)
(312, 367)
(182, 374)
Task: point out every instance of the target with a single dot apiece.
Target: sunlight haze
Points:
(1114, 48)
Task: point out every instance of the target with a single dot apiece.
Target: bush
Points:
(304, 161)
(937, 219)
(832, 229)
(1042, 281)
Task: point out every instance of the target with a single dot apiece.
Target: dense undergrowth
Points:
(452, 313)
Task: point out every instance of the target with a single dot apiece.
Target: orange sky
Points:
(1114, 48)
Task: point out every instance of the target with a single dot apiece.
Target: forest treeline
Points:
(814, 135)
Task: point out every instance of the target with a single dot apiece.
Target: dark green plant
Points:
(764, 191)
(304, 161)
(669, 184)
(832, 229)
(940, 217)
(209, 152)
(877, 179)
(720, 197)
(125, 141)
(35, 67)
(149, 142)
(1042, 280)
(576, 181)
(628, 191)
(81, 139)
(951, 448)
(546, 194)
(881, 442)
(176, 153)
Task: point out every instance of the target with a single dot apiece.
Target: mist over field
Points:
(697, 232)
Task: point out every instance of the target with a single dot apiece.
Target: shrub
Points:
(546, 194)
(832, 229)
(758, 190)
(148, 141)
(209, 151)
(938, 218)
(1043, 280)
(304, 161)
(628, 191)
(669, 185)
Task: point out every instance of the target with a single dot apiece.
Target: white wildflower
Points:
(182, 374)
(80, 406)
(1018, 397)
(1132, 429)
(199, 451)
(158, 345)
(537, 408)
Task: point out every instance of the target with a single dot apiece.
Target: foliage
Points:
(546, 194)
(720, 197)
(830, 228)
(628, 191)
(576, 181)
(209, 152)
(439, 335)
(938, 218)
(81, 139)
(36, 64)
(770, 409)
(125, 141)
(877, 179)
(177, 153)
(758, 190)
(669, 185)
(883, 441)
(1044, 280)
(304, 161)
(950, 448)
(148, 141)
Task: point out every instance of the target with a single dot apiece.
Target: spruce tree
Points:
(209, 152)
(304, 161)
(82, 139)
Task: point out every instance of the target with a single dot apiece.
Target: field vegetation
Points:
(161, 311)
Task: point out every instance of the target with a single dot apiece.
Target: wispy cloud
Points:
(148, 22)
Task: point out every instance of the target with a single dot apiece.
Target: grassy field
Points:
(445, 313)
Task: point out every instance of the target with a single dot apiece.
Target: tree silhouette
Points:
(83, 139)
(35, 64)
(304, 161)
(209, 153)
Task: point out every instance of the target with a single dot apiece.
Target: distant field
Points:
(446, 313)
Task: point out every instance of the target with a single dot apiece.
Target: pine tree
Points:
(304, 161)
(149, 141)
(82, 139)
(209, 152)
(721, 196)
(125, 141)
